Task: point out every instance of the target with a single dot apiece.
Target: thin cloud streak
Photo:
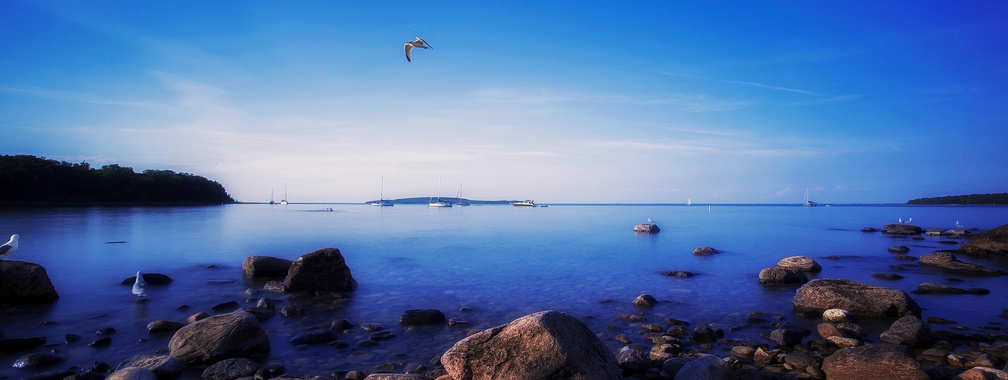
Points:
(75, 96)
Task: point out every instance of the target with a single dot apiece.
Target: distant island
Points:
(971, 199)
(29, 179)
(424, 200)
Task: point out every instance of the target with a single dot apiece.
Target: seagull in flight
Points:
(140, 287)
(419, 42)
(9, 247)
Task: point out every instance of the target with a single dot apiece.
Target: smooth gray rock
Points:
(992, 242)
(548, 345)
(802, 263)
(318, 336)
(132, 373)
(25, 283)
(419, 317)
(947, 262)
(873, 361)
(778, 276)
(324, 269)
(859, 298)
(265, 266)
(909, 331)
(162, 366)
(230, 369)
(706, 368)
(233, 335)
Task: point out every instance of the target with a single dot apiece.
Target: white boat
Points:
(458, 198)
(440, 202)
(689, 201)
(808, 202)
(283, 202)
(525, 203)
(382, 202)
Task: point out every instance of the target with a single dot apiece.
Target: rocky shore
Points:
(230, 342)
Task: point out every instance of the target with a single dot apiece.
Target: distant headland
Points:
(424, 200)
(971, 199)
(29, 180)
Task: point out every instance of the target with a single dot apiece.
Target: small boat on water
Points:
(808, 202)
(283, 202)
(525, 203)
(382, 202)
(440, 202)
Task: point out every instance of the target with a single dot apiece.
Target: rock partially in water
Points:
(947, 262)
(789, 337)
(196, 317)
(152, 279)
(868, 229)
(778, 275)
(935, 288)
(540, 346)
(318, 336)
(37, 361)
(632, 360)
(704, 251)
(887, 276)
(225, 307)
(983, 373)
(649, 228)
(859, 298)
(18, 344)
(837, 316)
(265, 266)
(992, 242)
(225, 336)
(873, 361)
(703, 334)
(802, 263)
(901, 249)
(163, 366)
(901, 229)
(324, 269)
(679, 274)
(419, 317)
(292, 310)
(230, 369)
(25, 283)
(341, 325)
(909, 331)
(708, 368)
(162, 326)
(275, 287)
(645, 300)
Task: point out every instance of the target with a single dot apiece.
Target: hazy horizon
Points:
(635, 103)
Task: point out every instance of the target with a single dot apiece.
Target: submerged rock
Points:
(37, 360)
(153, 279)
(859, 298)
(645, 300)
(162, 326)
(540, 346)
(25, 283)
(318, 336)
(324, 269)
(934, 288)
(419, 317)
(901, 249)
(887, 276)
(230, 369)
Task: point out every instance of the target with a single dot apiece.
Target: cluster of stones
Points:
(789, 270)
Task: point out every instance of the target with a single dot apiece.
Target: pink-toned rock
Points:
(873, 361)
(858, 298)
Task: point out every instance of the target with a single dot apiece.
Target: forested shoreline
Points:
(26, 179)
(970, 199)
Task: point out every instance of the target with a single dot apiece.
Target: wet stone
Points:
(341, 325)
(370, 327)
(103, 342)
(225, 307)
(37, 360)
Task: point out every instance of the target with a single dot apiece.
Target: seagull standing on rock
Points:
(419, 42)
(9, 247)
(140, 287)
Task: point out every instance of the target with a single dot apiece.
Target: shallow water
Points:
(504, 262)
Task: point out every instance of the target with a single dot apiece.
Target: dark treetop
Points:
(28, 179)
(971, 199)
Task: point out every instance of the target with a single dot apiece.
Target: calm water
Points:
(504, 262)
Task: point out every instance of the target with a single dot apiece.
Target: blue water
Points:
(501, 261)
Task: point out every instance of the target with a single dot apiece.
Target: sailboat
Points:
(381, 202)
(808, 202)
(458, 198)
(689, 201)
(283, 202)
(440, 202)
(271, 198)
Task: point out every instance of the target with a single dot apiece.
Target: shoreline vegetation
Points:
(30, 180)
(969, 199)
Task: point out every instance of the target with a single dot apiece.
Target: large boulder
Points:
(873, 361)
(324, 269)
(909, 331)
(265, 266)
(901, 229)
(947, 262)
(990, 242)
(225, 336)
(778, 275)
(543, 345)
(858, 298)
(25, 283)
(802, 263)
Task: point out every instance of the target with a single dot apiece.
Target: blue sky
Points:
(630, 102)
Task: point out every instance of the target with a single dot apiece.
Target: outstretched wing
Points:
(424, 42)
(408, 48)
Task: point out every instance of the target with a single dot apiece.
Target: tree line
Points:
(970, 199)
(26, 179)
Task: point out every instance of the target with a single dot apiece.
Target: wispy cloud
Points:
(545, 96)
(76, 96)
(744, 83)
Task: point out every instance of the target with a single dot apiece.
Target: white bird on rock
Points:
(140, 287)
(10, 246)
(419, 42)
(904, 222)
